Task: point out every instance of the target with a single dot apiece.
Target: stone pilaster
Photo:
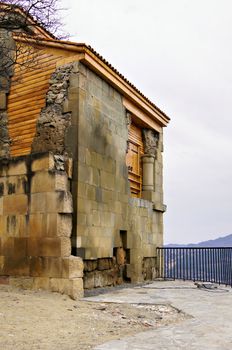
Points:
(148, 172)
(150, 139)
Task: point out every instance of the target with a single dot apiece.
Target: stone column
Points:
(148, 172)
(150, 139)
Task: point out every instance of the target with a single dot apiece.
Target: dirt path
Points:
(40, 320)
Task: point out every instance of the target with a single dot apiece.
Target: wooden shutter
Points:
(133, 160)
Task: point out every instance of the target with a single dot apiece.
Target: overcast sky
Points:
(179, 54)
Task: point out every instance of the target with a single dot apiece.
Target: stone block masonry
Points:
(72, 194)
(112, 228)
(36, 225)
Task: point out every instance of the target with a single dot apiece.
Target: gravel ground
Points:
(41, 320)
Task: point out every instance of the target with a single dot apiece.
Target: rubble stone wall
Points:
(6, 72)
(36, 225)
(53, 122)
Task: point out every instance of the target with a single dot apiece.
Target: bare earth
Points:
(47, 321)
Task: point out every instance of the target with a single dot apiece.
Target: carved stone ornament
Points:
(150, 139)
(128, 119)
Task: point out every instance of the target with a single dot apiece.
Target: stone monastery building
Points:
(81, 195)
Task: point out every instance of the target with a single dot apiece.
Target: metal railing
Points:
(196, 264)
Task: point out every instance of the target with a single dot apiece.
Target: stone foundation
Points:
(106, 271)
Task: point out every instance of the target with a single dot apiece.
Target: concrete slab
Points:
(209, 328)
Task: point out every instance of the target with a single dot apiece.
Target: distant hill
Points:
(225, 241)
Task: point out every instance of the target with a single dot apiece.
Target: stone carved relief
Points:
(150, 139)
(128, 119)
(128, 122)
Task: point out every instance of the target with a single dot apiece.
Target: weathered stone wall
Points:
(36, 225)
(7, 45)
(107, 218)
(84, 125)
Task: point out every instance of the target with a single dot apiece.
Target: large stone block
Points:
(108, 196)
(46, 267)
(58, 225)
(64, 224)
(2, 225)
(7, 246)
(90, 192)
(85, 174)
(60, 202)
(50, 247)
(82, 219)
(16, 266)
(16, 225)
(71, 287)
(38, 202)
(16, 167)
(43, 162)
(21, 282)
(51, 202)
(107, 219)
(41, 283)
(72, 267)
(37, 225)
(44, 181)
(66, 247)
(20, 248)
(15, 204)
(2, 260)
(17, 184)
(83, 205)
(34, 247)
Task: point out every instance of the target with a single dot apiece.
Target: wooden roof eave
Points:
(93, 61)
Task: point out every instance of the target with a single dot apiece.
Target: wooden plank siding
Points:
(133, 160)
(27, 98)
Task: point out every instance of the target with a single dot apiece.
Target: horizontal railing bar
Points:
(193, 248)
(209, 264)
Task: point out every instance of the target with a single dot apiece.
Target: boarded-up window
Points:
(133, 160)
